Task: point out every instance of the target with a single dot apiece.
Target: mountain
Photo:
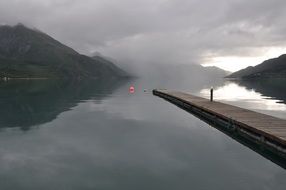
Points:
(213, 71)
(191, 71)
(272, 68)
(29, 53)
(182, 77)
(110, 64)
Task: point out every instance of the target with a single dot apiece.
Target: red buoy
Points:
(131, 89)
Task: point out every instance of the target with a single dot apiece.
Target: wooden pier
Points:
(264, 130)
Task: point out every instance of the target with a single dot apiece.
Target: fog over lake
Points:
(232, 34)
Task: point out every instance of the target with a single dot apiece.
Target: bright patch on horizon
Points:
(234, 93)
(235, 63)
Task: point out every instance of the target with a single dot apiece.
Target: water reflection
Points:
(120, 141)
(249, 98)
(27, 103)
(248, 142)
(273, 88)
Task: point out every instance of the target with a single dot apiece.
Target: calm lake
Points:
(96, 135)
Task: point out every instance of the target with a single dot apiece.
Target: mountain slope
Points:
(27, 53)
(181, 77)
(270, 68)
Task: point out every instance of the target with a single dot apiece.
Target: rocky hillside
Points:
(29, 53)
(272, 68)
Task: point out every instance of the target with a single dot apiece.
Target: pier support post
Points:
(212, 93)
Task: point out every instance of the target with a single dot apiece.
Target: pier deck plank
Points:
(268, 126)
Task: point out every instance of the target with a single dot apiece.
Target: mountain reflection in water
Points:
(111, 139)
(27, 103)
(263, 96)
(272, 88)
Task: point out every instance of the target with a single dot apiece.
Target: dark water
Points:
(95, 135)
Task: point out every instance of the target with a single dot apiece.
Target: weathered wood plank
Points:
(266, 126)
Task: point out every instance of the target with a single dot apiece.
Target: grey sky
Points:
(159, 31)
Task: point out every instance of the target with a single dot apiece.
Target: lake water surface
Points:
(98, 136)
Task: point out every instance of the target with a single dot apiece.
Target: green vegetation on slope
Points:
(272, 68)
(27, 53)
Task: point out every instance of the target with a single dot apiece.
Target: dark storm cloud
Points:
(156, 31)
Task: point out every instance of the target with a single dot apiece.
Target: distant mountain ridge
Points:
(183, 76)
(30, 53)
(275, 67)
